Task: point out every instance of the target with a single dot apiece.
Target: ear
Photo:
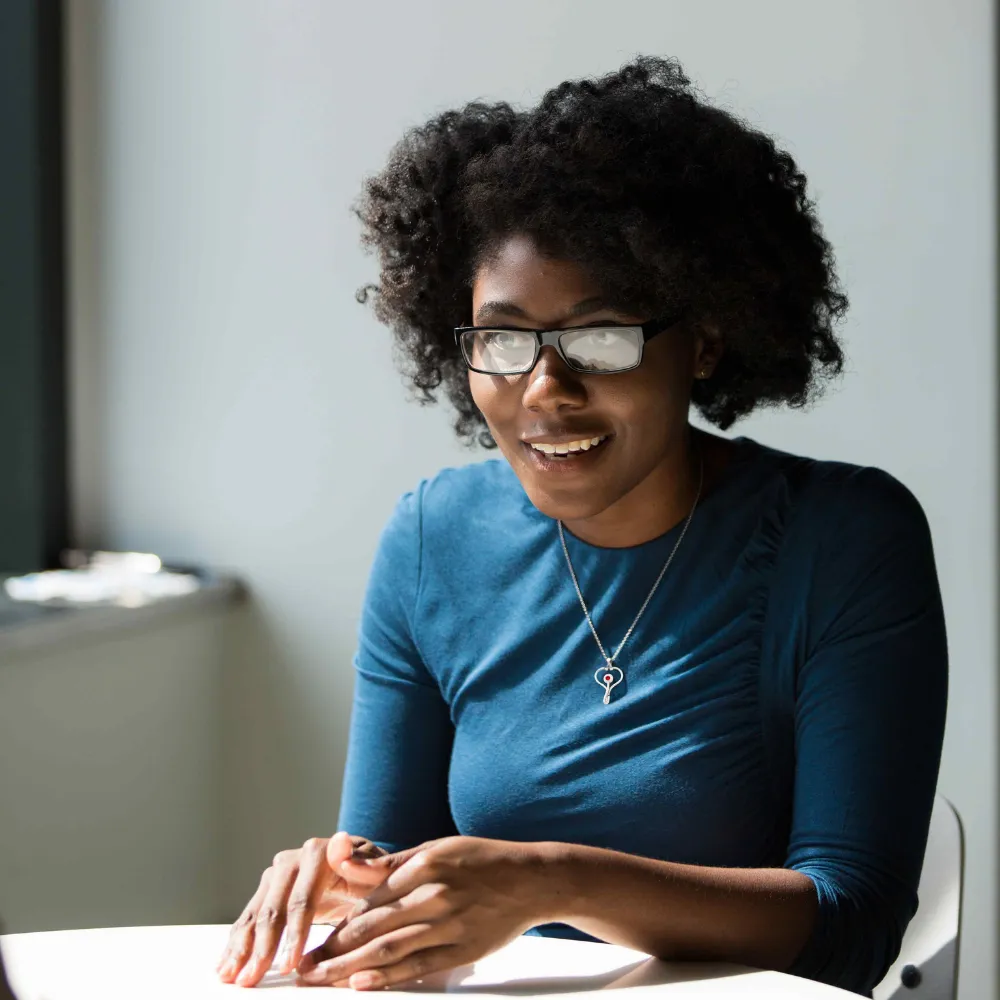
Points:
(708, 350)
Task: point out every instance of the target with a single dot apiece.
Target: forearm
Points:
(754, 916)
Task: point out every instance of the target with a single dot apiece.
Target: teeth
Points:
(569, 447)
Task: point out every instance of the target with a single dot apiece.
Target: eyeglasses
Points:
(595, 350)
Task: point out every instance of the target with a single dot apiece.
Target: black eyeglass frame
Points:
(552, 338)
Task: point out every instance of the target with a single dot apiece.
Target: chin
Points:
(565, 493)
(579, 507)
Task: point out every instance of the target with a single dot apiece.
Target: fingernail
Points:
(363, 980)
(284, 954)
(243, 979)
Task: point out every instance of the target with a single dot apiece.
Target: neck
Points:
(655, 505)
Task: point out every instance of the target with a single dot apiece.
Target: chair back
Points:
(927, 966)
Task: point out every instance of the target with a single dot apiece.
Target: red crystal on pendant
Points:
(608, 678)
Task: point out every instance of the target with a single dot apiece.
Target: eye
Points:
(603, 336)
(506, 340)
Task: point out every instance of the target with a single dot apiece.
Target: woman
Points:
(633, 681)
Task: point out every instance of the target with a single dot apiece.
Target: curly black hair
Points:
(666, 201)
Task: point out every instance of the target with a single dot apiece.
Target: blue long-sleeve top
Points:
(783, 702)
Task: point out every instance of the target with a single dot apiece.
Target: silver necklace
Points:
(605, 676)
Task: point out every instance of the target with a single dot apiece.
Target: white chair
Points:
(927, 966)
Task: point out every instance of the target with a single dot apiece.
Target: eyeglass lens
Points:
(591, 349)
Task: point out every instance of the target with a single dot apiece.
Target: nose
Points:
(552, 384)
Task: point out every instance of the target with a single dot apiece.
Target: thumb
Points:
(338, 847)
(374, 871)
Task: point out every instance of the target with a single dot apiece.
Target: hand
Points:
(443, 904)
(303, 886)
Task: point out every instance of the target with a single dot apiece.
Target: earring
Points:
(703, 373)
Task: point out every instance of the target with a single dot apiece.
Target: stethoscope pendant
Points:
(608, 676)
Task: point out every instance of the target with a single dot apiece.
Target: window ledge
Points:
(26, 626)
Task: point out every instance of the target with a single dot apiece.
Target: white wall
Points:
(217, 146)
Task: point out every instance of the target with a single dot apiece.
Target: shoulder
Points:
(853, 570)
(465, 496)
(467, 487)
(854, 542)
(839, 535)
(438, 516)
(825, 499)
(458, 498)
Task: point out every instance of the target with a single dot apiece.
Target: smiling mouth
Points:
(568, 452)
(564, 449)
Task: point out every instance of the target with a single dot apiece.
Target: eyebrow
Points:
(501, 307)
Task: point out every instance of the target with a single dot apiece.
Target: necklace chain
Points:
(610, 660)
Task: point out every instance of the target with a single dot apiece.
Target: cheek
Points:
(638, 404)
(483, 392)
(662, 392)
(493, 396)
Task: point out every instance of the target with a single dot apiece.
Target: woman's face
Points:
(641, 414)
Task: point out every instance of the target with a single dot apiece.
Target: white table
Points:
(178, 963)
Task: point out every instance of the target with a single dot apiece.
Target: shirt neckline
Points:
(746, 449)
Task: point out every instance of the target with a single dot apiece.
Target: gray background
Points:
(234, 405)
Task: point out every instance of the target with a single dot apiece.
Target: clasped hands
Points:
(398, 916)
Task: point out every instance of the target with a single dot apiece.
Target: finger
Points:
(339, 847)
(365, 848)
(269, 924)
(368, 867)
(374, 871)
(415, 966)
(342, 847)
(430, 903)
(353, 933)
(241, 936)
(383, 951)
(301, 904)
(368, 854)
(360, 877)
(410, 869)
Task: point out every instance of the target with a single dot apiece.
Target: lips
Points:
(543, 457)
(567, 447)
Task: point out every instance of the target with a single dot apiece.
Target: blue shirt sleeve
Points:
(395, 789)
(870, 699)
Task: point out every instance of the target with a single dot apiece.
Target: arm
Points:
(396, 778)
(869, 725)
(862, 611)
(452, 901)
(862, 604)
(396, 782)
(753, 916)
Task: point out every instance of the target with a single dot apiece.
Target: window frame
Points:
(34, 501)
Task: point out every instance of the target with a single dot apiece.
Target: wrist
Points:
(554, 895)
